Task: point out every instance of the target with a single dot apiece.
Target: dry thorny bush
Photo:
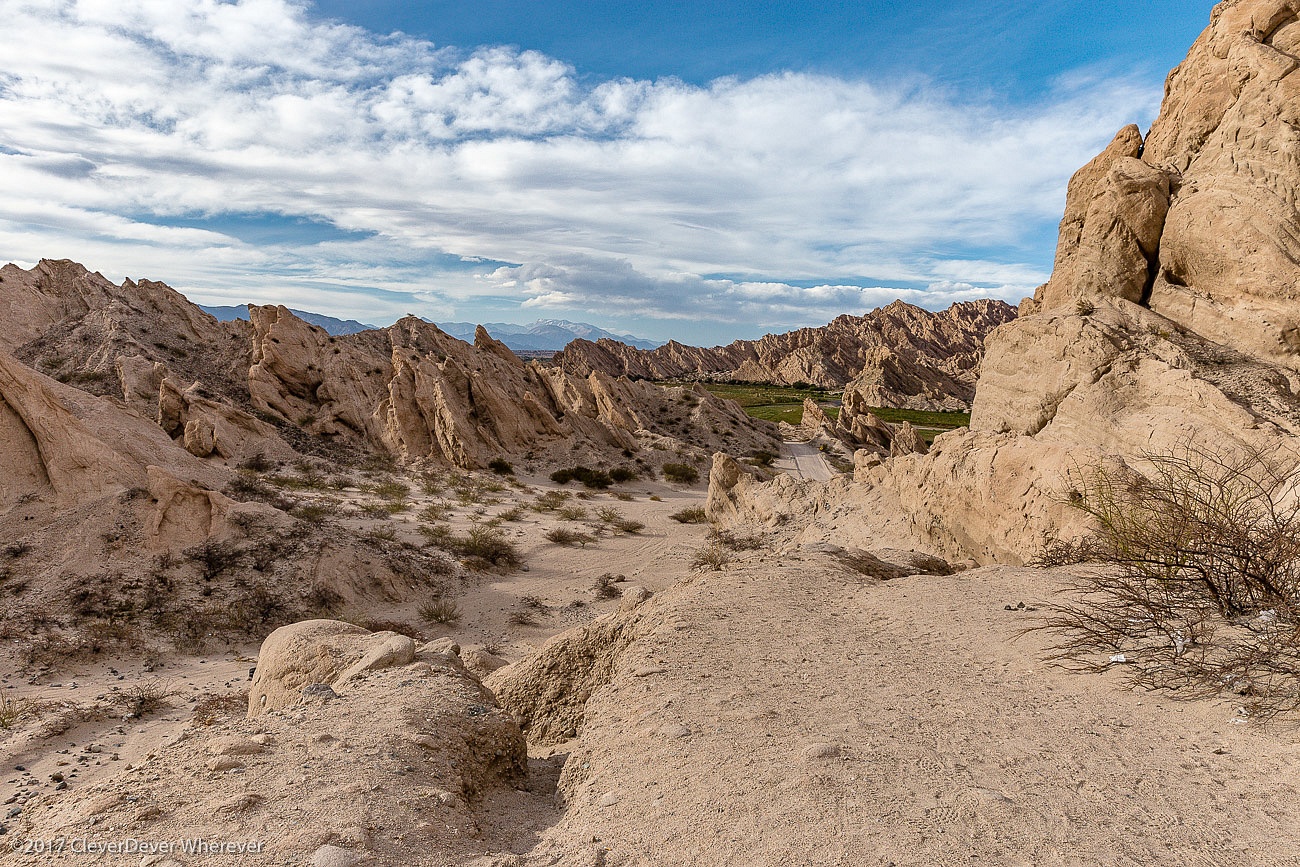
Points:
(1194, 576)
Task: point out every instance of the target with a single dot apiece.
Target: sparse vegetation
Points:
(712, 557)
(522, 617)
(571, 513)
(550, 501)
(598, 479)
(692, 515)
(15, 711)
(682, 474)
(569, 538)
(483, 545)
(607, 585)
(735, 542)
(501, 467)
(143, 698)
(1198, 589)
(440, 611)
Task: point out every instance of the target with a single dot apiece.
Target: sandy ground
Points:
(798, 714)
(782, 710)
(85, 735)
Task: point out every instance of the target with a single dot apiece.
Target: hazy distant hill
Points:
(329, 323)
(543, 335)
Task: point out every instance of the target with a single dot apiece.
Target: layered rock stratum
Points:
(899, 355)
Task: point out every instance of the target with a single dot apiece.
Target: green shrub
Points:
(683, 474)
(598, 479)
(501, 467)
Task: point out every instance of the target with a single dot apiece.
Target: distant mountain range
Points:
(329, 323)
(544, 335)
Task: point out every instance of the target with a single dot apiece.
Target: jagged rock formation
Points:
(899, 355)
(1199, 222)
(1170, 317)
(278, 385)
(133, 428)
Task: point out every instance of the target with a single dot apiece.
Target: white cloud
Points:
(620, 198)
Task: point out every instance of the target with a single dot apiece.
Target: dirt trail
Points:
(807, 462)
(794, 712)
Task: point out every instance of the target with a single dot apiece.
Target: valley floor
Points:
(781, 709)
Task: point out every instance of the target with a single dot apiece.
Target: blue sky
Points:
(703, 171)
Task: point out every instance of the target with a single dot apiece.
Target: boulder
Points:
(319, 652)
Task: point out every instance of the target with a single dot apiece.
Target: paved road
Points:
(808, 462)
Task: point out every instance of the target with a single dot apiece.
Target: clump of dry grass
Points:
(569, 538)
(440, 611)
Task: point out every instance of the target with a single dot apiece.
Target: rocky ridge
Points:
(278, 384)
(1167, 320)
(899, 355)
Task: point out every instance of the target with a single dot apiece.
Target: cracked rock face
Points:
(1200, 221)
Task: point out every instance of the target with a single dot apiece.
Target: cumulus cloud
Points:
(125, 123)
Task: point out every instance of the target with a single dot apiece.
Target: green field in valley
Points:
(778, 403)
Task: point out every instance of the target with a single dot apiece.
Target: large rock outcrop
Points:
(1200, 221)
(899, 355)
(1170, 318)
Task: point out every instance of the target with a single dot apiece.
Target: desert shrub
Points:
(622, 474)
(682, 474)
(736, 542)
(571, 513)
(762, 458)
(214, 558)
(501, 467)
(550, 501)
(711, 557)
(1198, 584)
(590, 478)
(439, 611)
(14, 711)
(435, 512)
(490, 546)
(380, 534)
(607, 585)
(569, 538)
(390, 490)
(438, 536)
(143, 698)
(380, 511)
(514, 513)
(315, 513)
(522, 617)
(692, 515)
(255, 607)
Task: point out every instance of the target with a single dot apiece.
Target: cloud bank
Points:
(144, 137)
